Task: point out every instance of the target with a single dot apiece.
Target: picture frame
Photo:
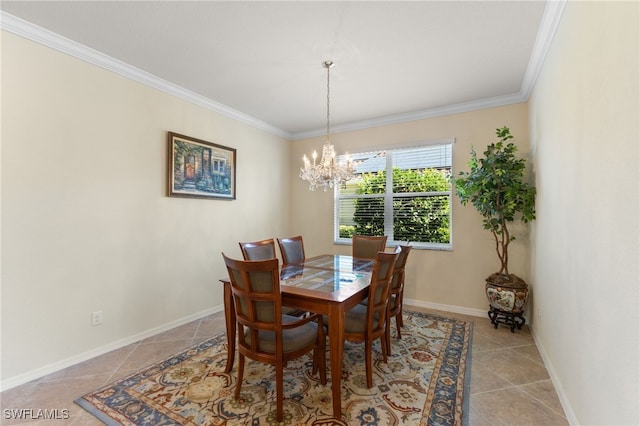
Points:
(200, 169)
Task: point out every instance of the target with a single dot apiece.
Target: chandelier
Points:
(328, 172)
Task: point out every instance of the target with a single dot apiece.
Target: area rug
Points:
(424, 382)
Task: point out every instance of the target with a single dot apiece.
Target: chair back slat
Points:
(379, 291)
(255, 287)
(259, 250)
(264, 333)
(367, 246)
(397, 281)
(292, 250)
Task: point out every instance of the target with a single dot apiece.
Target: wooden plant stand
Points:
(508, 318)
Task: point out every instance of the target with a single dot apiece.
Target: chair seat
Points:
(392, 302)
(292, 339)
(355, 320)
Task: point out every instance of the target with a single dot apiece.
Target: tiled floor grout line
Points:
(121, 363)
(536, 392)
(521, 387)
(195, 333)
(524, 356)
(495, 390)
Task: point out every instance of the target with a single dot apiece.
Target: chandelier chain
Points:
(328, 65)
(327, 173)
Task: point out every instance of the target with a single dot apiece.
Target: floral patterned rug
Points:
(424, 382)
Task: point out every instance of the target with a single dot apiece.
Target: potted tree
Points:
(496, 187)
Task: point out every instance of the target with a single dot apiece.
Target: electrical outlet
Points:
(96, 318)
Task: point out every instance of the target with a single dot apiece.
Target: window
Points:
(404, 194)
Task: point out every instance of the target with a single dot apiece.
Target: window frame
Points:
(389, 196)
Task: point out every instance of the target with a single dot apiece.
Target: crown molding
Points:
(549, 23)
(550, 20)
(493, 102)
(55, 41)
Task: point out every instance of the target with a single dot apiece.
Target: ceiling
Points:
(262, 61)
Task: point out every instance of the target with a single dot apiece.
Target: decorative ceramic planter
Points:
(507, 297)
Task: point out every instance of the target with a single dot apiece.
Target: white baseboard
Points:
(446, 308)
(482, 313)
(557, 384)
(571, 417)
(85, 356)
(52, 368)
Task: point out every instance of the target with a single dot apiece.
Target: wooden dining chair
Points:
(258, 250)
(366, 323)
(265, 334)
(292, 249)
(396, 293)
(263, 250)
(367, 246)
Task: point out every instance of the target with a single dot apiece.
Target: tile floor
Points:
(509, 383)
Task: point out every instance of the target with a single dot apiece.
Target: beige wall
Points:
(452, 280)
(584, 134)
(86, 224)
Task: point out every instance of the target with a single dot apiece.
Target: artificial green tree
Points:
(496, 187)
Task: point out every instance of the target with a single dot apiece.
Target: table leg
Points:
(230, 320)
(336, 349)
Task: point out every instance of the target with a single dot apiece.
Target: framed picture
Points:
(200, 169)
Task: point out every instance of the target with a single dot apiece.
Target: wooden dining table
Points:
(327, 284)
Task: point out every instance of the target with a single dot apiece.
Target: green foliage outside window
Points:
(417, 218)
(347, 231)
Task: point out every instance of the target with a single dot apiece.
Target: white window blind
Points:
(403, 193)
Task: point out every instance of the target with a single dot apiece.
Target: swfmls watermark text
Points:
(35, 414)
